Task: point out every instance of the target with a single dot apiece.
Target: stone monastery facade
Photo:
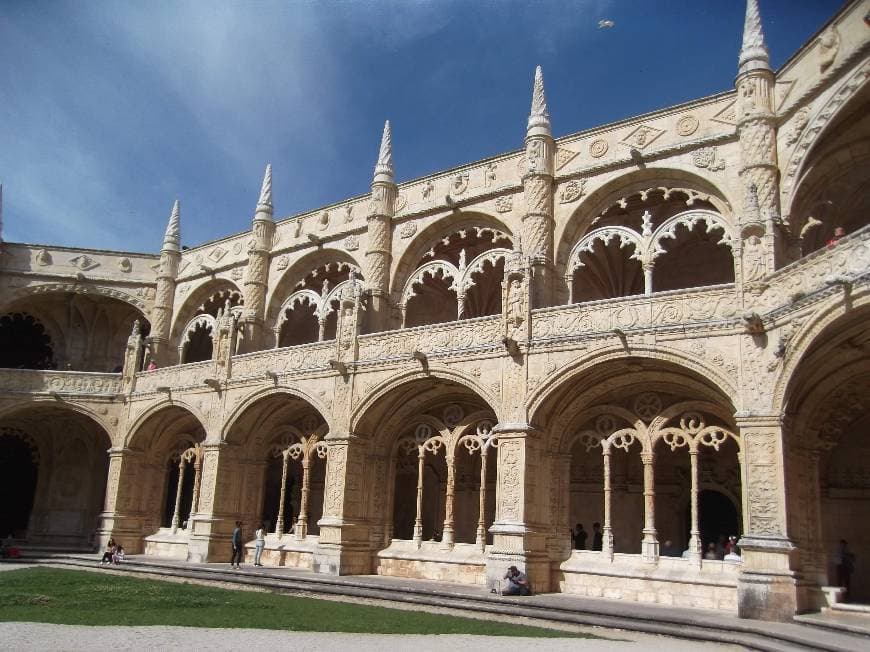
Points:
(650, 325)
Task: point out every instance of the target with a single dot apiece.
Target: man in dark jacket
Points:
(236, 559)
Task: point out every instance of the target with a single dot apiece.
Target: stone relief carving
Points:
(687, 125)
(283, 261)
(800, 120)
(84, 262)
(459, 183)
(351, 243)
(564, 156)
(572, 191)
(407, 230)
(428, 189)
(598, 148)
(125, 265)
(641, 136)
(504, 204)
(708, 157)
(829, 45)
(348, 213)
(490, 174)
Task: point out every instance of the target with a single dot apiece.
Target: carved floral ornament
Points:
(648, 423)
(647, 245)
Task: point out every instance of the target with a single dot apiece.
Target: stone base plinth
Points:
(671, 581)
(285, 551)
(464, 564)
(167, 545)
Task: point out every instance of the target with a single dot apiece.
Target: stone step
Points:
(550, 608)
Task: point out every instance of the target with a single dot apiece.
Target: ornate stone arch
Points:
(447, 224)
(809, 334)
(816, 129)
(254, 397)
(284, 286)
(685, 185)
(100, 420)
(386, 386)
(72, 287)
(667, 230)
(134, 431)
(196, 298)
(556, 381)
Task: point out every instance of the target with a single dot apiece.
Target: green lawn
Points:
(52, 595)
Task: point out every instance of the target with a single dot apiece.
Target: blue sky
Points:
(111, 110)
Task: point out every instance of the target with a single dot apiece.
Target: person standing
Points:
(597, 539)
(580, 536)
(236, 559)
(844, 560)
(259, 544)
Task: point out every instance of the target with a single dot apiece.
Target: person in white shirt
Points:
(259, 544)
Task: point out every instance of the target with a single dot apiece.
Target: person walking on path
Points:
(236, 559)
(259, 544)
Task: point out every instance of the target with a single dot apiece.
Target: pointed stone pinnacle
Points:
(384, 166)
(264, 205)
(539, 119)
(172, 238)
(753, 53)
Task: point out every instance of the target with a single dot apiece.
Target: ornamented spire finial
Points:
(264, 205)
(753, 53)
(384, 166)
(172, 238)
(539, 119)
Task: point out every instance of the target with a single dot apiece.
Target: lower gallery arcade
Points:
(646, 454)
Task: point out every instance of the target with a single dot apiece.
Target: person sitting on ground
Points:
(109, 554)
(8, 549)
(119, 555)
(517, 582)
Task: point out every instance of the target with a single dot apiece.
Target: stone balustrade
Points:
(62, 382)
(289, 359)
(432, 339)
(676, 308)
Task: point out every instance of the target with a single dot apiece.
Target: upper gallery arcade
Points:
(653, 325)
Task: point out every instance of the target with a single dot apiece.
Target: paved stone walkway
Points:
(40, 636)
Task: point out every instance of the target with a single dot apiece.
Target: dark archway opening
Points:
(18, 475)
(24, 344)
(717, 518)
(199, 346)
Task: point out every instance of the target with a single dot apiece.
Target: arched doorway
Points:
(53, 467)
(277, 451)
(432, 499)
(19, 467)
(718, 519)
(827, 428)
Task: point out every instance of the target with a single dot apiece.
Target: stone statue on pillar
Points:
(224, 340)
(132, 355)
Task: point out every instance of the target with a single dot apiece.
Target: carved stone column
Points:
(380, 235)
(607, 528)
(538, 187)
(519, 539)
(257, 271)
(344, 547)
(767, 586)
(285, 461)
(302, 521)
(161, 313)
(447, 530)
(219, 505)
(695, 532)
(120, 518)
(650, 544)
(756, 129)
